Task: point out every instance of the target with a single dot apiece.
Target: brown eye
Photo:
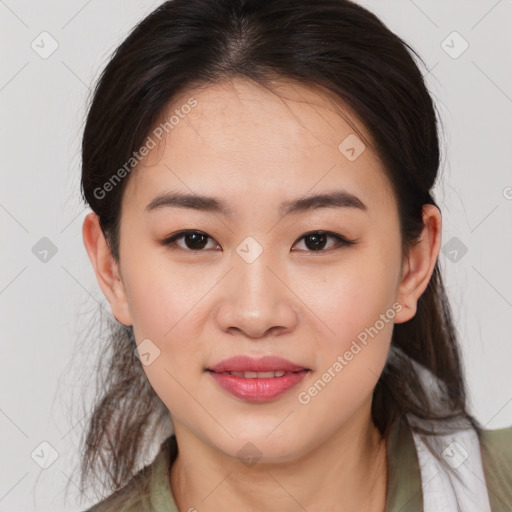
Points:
(193, 240)
(316, 241)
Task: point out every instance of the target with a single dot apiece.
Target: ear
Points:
(419, 264)
(105, 268)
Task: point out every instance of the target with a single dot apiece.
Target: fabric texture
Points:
(416, 482)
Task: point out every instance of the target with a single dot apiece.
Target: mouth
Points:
(272, 374)
(257, 380)
(249, 366)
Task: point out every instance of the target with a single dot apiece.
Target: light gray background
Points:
(44, 304)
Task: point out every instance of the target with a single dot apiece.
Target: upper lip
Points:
(250, 364)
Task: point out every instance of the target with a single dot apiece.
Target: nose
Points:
(256, 300)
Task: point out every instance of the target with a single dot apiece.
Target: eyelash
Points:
(341, 241)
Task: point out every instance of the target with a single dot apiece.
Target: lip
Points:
(257, 389)
(250, 364)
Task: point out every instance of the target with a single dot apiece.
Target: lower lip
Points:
(258, 390)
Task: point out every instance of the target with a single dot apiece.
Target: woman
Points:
(263, 227)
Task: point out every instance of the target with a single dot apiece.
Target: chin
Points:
(260, 447)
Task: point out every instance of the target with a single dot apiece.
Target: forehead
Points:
(241, 138)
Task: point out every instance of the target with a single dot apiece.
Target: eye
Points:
(194, 241)
(315, 241)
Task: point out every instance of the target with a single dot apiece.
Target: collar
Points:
(404, 492)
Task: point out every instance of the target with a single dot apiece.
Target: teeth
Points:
(258, 375)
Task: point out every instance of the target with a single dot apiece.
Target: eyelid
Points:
(342, 241)
(170, 241)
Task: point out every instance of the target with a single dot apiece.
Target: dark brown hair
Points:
(338, 47)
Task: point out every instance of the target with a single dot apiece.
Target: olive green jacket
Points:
(415, 483)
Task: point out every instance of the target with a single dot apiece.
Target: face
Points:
(315, 283)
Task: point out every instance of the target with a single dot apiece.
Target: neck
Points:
(347, 472)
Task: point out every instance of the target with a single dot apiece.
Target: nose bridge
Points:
(256, 281)
(257, 300)
(252, 263)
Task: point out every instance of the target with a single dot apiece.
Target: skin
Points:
(255, 149)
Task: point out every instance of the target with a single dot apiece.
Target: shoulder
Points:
(133, 497)
(496, 453)
(496, 447)
(142, 492)
(500, 438)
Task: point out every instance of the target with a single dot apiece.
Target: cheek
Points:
(357, 318)
(166, 309)
(171, 385)
(355, 305)
(164, 299)
(350, 299)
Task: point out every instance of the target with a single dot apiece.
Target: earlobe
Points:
(420, 263)
(106, 268)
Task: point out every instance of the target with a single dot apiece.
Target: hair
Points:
(338, 47)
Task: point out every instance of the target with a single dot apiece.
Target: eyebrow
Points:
(337, 199)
